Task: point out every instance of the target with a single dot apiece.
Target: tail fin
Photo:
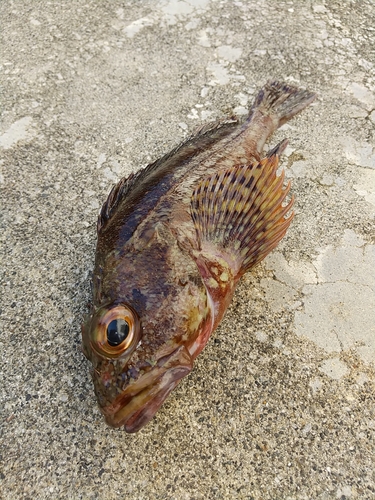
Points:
(280, 101)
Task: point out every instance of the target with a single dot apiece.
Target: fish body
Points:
(173, 241)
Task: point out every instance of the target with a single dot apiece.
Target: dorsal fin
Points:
(117, 193)
(214, 131)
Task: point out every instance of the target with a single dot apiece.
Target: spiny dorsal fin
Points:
(239, 212)
(117, 193)
(215, 131)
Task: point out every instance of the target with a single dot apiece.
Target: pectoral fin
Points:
(239, 213)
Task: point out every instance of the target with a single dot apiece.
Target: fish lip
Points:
(134, 408)
(140, 418)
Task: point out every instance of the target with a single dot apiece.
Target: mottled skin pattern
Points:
(157, 258)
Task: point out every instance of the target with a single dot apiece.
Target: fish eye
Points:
(116, 331)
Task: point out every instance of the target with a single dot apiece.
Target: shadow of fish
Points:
(173, 241)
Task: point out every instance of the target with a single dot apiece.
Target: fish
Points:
(173, 241)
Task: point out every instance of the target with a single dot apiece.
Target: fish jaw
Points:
(142, 408)
(137, 405)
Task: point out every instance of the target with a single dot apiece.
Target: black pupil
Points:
(117, 331)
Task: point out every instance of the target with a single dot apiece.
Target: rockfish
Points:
(173, 241)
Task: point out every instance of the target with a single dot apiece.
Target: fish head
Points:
(134, 369)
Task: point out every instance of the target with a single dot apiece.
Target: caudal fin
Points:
(280, 101)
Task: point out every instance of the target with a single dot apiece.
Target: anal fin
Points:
(239, 214)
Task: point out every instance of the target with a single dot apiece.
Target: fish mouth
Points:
(137, 405)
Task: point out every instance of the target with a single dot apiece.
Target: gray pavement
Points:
(281, 402)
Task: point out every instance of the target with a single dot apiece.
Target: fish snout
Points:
(137, 405)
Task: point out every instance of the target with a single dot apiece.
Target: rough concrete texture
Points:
(281, 402)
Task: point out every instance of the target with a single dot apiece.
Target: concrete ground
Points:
(281, 402)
